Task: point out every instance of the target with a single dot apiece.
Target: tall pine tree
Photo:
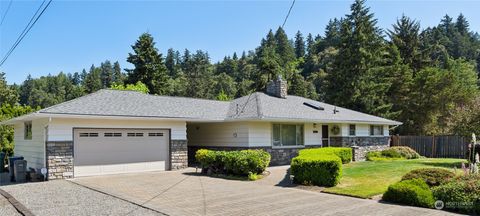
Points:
(355, 82)
(149, 66)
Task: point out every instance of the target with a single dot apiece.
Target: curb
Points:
(17, 205)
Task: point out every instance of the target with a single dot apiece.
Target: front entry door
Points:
(325, 136)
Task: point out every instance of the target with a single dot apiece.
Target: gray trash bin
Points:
(20, 171)
(11, 167)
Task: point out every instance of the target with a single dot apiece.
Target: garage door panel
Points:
(109, 151)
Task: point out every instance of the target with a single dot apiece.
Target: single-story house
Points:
(117, 131)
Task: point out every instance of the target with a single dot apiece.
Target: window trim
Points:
(372, 131)
(354, 130)
(288, 146)
(27, 126)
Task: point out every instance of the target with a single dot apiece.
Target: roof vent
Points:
(335, 111)
(317, 107)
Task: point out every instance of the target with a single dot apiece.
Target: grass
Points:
(370, 178)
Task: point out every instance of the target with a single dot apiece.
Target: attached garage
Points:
(99, 151)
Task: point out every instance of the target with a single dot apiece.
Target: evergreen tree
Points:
(310, 43)
(355, 82)
(76, 78)
(93, 81)
(283, 48)
(170, 62)
(405, 36)
(225, 86)
(106, 74)
(118, 76)
(149, 66)
(462, 25)
(299, 45)
(332, 34)
(200, 76)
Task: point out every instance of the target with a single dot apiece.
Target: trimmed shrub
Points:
(320, 166)
(345, 154)
(431, 176)
(413, 192)
(391, 153)
(460, 194)
(397, 152)
(323, 170)
(406, 152)
(240, 163)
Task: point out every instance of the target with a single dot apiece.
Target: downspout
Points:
(45, 141)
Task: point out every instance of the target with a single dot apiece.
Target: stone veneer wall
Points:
(361, 145)
(178, 154)
(60, 160)
(280, 156)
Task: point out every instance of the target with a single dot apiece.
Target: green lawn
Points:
(370, 178)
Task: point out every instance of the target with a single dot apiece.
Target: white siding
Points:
(233, 134)
(61, 129)
(32, 150)
(310, 137)
(259, 134)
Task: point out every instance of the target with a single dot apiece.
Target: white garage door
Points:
(112, 151)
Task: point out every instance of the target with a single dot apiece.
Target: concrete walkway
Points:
(186, 193)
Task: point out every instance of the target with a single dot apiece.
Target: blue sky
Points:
(72, 35)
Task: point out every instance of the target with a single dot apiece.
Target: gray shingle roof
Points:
(131, 103)
(256, 106)
(262, 106)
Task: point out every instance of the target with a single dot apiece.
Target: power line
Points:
(26, 29)
(6, 12)
(288, 14)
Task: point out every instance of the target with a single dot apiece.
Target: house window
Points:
(287, 135)
(28, 130)
(376, 130)
(352, 130)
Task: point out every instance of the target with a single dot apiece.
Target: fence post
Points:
(433, 146)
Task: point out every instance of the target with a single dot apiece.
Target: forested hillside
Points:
(425, 77)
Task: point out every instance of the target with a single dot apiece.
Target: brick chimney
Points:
(277, 87)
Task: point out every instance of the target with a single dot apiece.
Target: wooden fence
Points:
(434, 146)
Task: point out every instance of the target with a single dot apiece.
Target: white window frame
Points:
(296, 139)
(27, 130)
(372, 130)
(354, 130)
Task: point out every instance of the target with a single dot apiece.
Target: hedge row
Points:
(397, 152)
(320, 166)
(242, 163)
(345, 154)
(422, 187)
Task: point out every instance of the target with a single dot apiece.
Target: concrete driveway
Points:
(186, 193)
